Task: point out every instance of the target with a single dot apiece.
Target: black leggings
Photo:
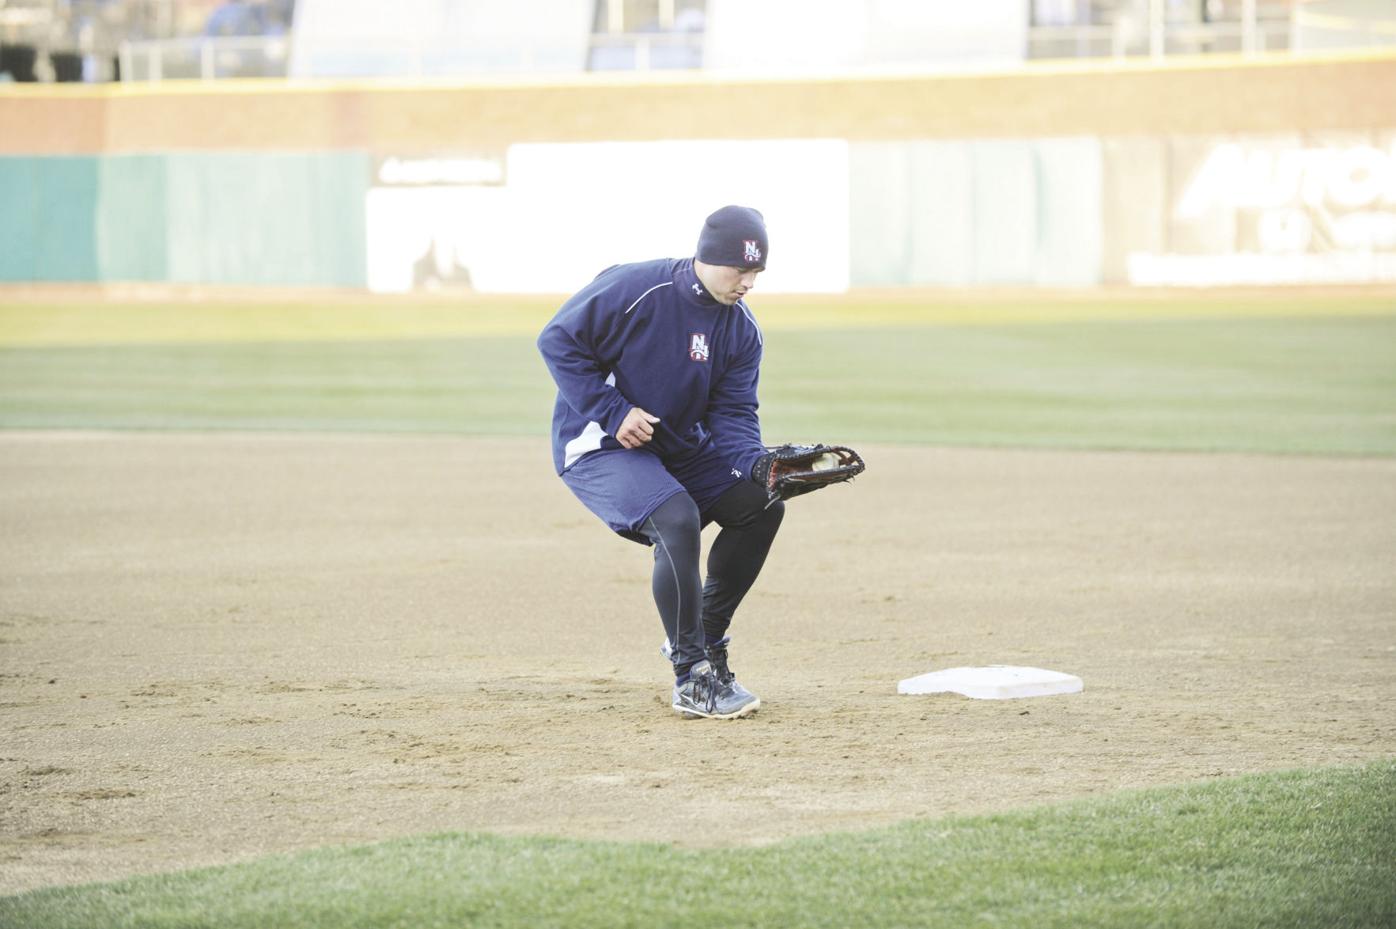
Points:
(697, 613)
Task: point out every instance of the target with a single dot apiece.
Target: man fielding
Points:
(655, 431)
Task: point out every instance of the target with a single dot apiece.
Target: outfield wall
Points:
(1192, 172)
(194, 217)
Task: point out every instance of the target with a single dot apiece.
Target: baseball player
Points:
(655, 431)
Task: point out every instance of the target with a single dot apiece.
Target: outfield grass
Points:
(353, 316)
(1300, 384)
(1272, 385)
(486, 385)
(1299, 849)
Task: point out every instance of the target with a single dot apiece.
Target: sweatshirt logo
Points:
(698, 346)
(750, 250)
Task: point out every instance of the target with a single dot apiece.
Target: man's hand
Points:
(636, 429)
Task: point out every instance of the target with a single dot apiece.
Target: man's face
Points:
(727, 285)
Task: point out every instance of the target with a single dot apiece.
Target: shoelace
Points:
(708, 685)
(718, 658)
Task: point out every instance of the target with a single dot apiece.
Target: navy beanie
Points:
(735, 237)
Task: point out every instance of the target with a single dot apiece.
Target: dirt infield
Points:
(218, 646)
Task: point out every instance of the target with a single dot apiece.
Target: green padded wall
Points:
(962, 213)
(131, 218)
(267, 218)
(223, 218)
(47, 210)
(1070, 211)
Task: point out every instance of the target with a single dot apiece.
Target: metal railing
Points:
(211, 58)
(1119, 40)
(645, 51)
(205, 58)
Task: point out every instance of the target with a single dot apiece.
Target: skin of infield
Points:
(221, 646)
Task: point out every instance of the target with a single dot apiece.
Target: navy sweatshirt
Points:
(649, 335)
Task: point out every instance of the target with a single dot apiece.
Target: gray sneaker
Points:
(707, 697)
(717, 654)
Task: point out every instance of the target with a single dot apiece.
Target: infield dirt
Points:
(213, 647)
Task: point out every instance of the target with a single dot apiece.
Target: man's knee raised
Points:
(676, 518)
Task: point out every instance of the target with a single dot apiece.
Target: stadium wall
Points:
(1053, 175)
(191, 217)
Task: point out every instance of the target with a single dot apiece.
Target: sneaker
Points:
(717, 654)
(707, 697)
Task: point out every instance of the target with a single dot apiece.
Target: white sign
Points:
(567, 211)
(422, 171)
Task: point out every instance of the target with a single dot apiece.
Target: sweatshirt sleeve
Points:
(580, 345)
(731, 416)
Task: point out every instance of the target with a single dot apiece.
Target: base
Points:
(998, 682)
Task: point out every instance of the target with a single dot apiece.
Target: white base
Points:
(998, 682)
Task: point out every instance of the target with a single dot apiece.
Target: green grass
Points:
(1266, 385)
(1299, 849)
(1316, 384)
(493, 385)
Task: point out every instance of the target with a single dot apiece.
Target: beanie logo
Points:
(750, 250)
(698, 346)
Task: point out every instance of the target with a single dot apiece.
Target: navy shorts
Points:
(624, 486)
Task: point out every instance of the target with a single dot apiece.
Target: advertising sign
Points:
(1277, 211)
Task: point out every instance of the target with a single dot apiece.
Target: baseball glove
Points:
(791, 470)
